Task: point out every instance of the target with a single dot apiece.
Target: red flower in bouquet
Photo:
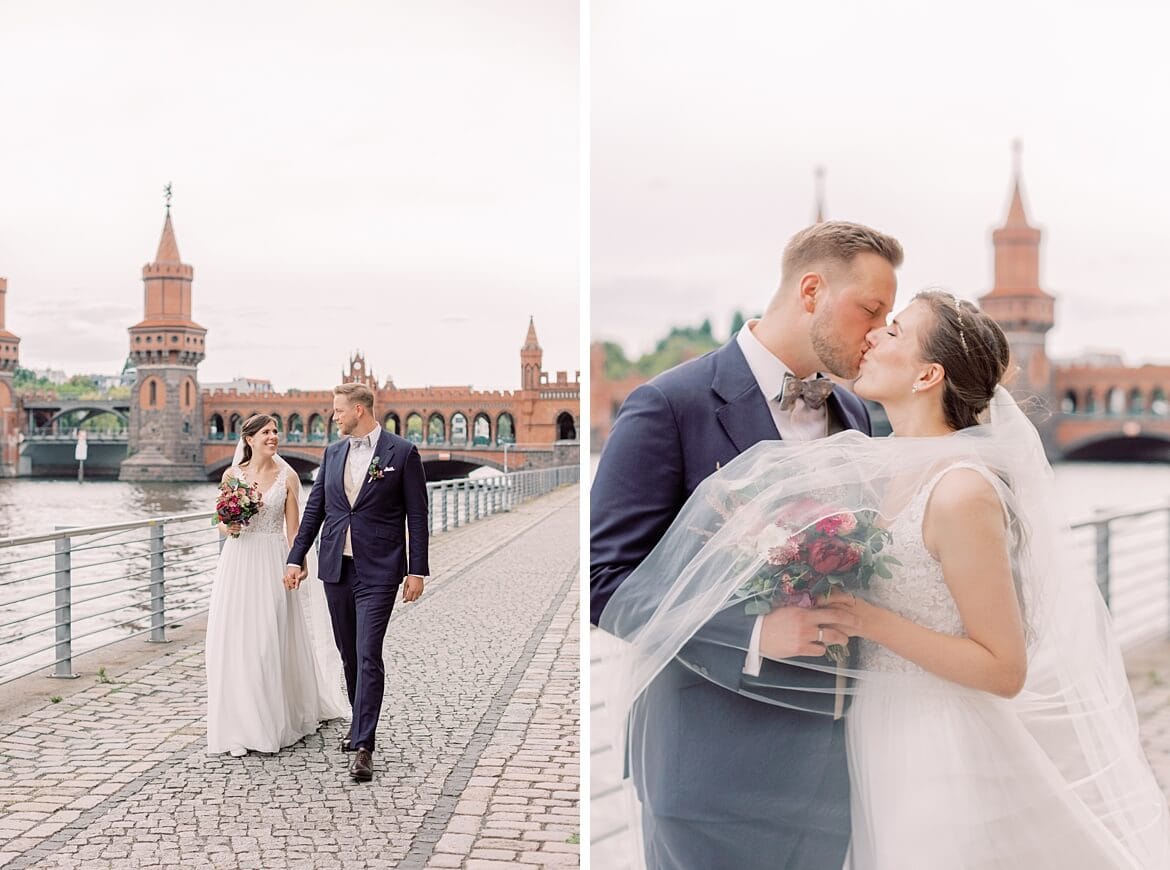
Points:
(237, 503)
(832, 556)
(803, 565)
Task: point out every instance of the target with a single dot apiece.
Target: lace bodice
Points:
(917, 591)
(270, 520)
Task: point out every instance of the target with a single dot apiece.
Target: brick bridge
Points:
(171, 429)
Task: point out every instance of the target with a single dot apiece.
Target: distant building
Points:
(53, 376)
(243, 386)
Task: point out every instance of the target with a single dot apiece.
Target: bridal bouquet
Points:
(803, 565)
(237, 503)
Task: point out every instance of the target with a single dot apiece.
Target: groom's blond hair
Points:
(356, 394)
(835, 242)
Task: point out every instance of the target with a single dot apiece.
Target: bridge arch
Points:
(1114, 402)
(481, 431)
(317, 427)
(566, 427)
(414, 428)
(1068, 402)
(1137, 403)
(1159, 407)
(1116, 446)
(216, 431)
(88, 413)
(458, 429)
(436, 429)
(392, 424)
(505, 428)
(303, 464)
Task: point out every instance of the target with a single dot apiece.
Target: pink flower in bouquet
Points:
(783, 554)
(837, 524)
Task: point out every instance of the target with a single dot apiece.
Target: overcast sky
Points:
(390, 176)
(709, 118)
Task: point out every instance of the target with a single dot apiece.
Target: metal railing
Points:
(1127, 553)
(107, 583)
(123, 580)
(452, 503)
(1128, 556)
(70, 434)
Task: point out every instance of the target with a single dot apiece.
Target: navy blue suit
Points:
(361, 590)
(725, 781)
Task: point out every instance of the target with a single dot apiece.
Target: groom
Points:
(724, 780)
(371, 498)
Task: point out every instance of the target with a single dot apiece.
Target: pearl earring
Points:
(914, 389)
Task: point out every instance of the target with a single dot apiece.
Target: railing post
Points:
(456, 488)
(443, 502)
(1101, 528)
(158, 601)
(63, 601)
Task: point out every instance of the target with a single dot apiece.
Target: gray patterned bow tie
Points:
(814, 391)
(355, 443)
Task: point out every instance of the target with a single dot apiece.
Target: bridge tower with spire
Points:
(1018, 304)
(10, 422)
(166, 407)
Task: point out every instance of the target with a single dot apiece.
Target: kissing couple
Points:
(944, 691)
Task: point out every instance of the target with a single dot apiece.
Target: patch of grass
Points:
(574, 839)
(102, 676)
(56, 699)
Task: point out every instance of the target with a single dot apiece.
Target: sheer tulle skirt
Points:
(264, 688)
(947, 777)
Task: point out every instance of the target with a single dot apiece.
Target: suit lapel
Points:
(338, 471)
(745, 416)
(383, 452)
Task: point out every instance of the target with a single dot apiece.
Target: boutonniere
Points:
(376, 471)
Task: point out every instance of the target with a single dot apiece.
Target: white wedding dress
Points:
(948, 777)
(270, 676)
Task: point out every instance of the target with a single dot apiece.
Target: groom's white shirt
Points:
(357, 465)
(801, 423)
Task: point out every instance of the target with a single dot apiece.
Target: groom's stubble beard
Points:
(836, 358)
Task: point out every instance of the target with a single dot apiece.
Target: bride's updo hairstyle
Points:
(972, 350)
(251, 426)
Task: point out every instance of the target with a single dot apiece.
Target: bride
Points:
(273, 672)
(989, 720)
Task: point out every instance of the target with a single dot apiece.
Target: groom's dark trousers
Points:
(360, 613)
(725, 779)
(387, 528)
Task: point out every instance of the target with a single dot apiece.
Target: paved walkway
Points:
(478, 761)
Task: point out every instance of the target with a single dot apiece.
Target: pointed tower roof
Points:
(1016, 245)
(530, 341)
(1017, 217)
(168, 247)
(819, 175)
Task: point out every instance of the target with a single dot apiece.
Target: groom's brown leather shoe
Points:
(362, 768)
(347, 744)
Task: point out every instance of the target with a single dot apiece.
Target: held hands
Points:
(412, 589)
(788, 632)
(293, 575)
